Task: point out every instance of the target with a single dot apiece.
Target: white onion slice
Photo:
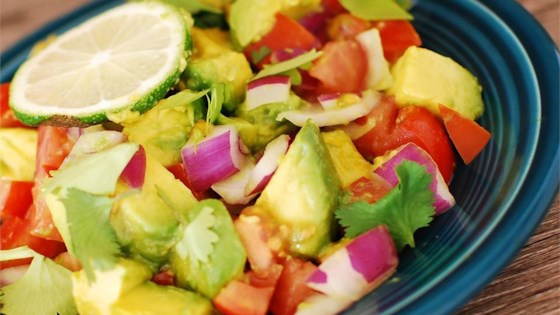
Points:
(267, 90)
(328, 101)
(267, 165)
(232, 189)
(378, 76)
(332, 117)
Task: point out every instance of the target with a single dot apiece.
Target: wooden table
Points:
(529, 285)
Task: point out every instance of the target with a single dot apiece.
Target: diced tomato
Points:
(396, 37)
(369, 190)
(292, 289)
(286, 34)
(54, 146)
(346, 26)
(265, 278)
(15, 198)
(468, 137)
(179, 172)
(254, 237)
(7, 117)
(240, 298)
(341, 68)
(164, 277)
(412, 124)
(16, 232)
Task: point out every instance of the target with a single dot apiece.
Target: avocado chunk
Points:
(209, 253)
(349, 163)
(247, 27)
(259, 126)
(216, 62)
(97, 297)
(426, 78)
(164, 131)
(146, 223)
(152, 299)
(17, 156)
(303, 193)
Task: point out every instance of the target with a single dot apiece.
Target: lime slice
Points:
(120, 62)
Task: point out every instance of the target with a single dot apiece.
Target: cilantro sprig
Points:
(45, 288)
(404, 209)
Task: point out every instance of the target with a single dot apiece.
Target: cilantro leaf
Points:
(376, 9)
(404, 209)
(217, 96)
(285, 66)
(198, 238)
(91, 237)
(182, 98)
(96, 173)
(45, 288)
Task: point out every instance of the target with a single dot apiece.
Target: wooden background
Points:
(529, 285)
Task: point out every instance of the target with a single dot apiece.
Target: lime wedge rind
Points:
(35, 101)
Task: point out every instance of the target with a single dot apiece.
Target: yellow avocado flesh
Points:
(98, 296)
(152, 299)
(18, 147)
(425, 78)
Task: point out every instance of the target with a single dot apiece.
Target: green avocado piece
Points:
(303, 193)
(145, 223)
(97, 297)
(259, 126)
(229, 67)
(209, 253)
(164, 131)
(425, 78)
(17, 156)
(152, 299)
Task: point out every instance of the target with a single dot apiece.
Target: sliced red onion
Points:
(354, 270)
(328, 101)
(267, 165)
(135, 171)
(315, 22)
(232, 189)
(267, 90)
(93, 142)
(410, 151)
(12, 274)
(378, 76)
(215, 158)
(332, 117)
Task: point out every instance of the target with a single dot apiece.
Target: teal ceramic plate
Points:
(505, 193)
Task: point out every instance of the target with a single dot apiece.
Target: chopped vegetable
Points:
(405, 209)
(266, 90)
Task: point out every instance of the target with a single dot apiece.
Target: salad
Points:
(240, 157)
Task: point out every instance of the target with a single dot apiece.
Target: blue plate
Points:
(505, 193)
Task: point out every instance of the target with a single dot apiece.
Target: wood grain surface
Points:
(529, 285)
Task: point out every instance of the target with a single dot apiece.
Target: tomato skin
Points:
(240, 298)
(16, 232)
(292, 289)
(53, 147)
(411, 124)
(285, 34)
(15, 198)
(396, 37)
(164, 277)
(333, 6)
(346, 26)
(342, 67)
(468, 137)
(369, 190)
(7, 117)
